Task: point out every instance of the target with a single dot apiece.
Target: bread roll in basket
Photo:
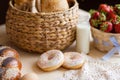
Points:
(39, 32)
(54, 5)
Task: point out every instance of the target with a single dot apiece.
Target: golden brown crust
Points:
(9, 52)
(17, 77)
(18, 2)
(54, 5)
(11, 62)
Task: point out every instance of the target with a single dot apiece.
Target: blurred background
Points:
(3, 9)
(93, 4)
(83, 4)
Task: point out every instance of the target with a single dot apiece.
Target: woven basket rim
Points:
(44, 13)
(97, 30)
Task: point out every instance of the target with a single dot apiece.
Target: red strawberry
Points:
(105, 8)
(94, 14)
(117, 9)
(97, 15)
(95, 23)
(117, 28)
(106, 26)
(102, 17)
(112, 17)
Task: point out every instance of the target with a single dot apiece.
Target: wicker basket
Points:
(39, 32)
(102, 39)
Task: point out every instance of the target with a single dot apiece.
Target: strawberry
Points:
(106, 26)
(97, 15)
(96, 18)
(102, 17)
(117, 28)
(94, 14)
(112, 17)
(94, 23)
(105, 8)
(117, 9)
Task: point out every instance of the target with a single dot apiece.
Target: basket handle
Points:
(38, 5)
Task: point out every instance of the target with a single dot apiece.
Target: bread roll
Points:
(22, 5)
(10, 64)
(8, 52)
(54, 5)
(26, 5)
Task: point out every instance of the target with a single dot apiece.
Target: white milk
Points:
(83, 37)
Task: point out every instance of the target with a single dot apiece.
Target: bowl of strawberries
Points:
(105, 23)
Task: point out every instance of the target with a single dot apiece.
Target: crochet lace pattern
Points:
(94, 69)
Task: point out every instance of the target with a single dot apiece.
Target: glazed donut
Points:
(10, 65)
(50, 60)
(73, 60)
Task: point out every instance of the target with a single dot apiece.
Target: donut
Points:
(73, 60)
(10, 65)
(50, 60)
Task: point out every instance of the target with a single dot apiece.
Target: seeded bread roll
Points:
(8, 52)
(10, 64)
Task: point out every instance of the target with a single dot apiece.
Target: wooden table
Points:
(29, 59)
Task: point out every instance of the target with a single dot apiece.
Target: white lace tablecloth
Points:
(29, 59)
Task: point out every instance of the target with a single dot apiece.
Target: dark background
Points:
(83, 4)
(93, 4)
(3, 9)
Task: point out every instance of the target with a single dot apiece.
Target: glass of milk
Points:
(83, 36)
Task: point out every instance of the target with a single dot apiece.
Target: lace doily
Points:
(94, 70)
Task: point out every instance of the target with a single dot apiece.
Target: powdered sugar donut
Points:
(50, 60)
(73, 60)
